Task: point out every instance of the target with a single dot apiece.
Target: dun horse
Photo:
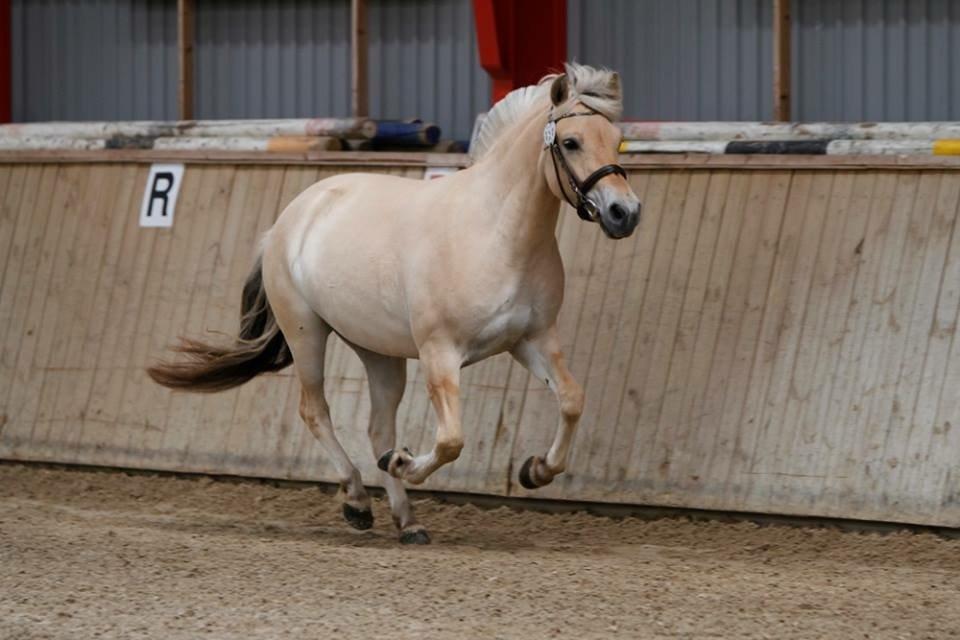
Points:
(449, 271)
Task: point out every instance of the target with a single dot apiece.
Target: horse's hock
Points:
(783, 342)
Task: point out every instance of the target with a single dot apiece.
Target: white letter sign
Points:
(432, 173)
(160, 196)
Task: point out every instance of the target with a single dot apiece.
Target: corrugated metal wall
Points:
(877, 60)
(272, 59)
(681, 60)
(292, 59)
(102, 60)
(854, 60)
(424, 63)
(117, 59)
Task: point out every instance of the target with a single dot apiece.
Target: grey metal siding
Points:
(292, 59)
(424, 63)
(683, 60)
(877, 60)
(854, 60)
(260, 59)
(680, 60)
(116, 59)
(103, 60)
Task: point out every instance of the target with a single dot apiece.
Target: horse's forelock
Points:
(598, 89)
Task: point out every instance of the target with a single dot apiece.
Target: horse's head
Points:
(580, 143)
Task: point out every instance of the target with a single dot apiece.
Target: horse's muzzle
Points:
(619, 221)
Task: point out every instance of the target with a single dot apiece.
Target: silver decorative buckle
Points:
(549, 133)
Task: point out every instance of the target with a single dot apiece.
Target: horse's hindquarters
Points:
(342, 247)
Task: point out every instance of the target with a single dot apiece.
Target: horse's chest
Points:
(499, 326)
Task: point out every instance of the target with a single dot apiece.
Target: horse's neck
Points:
(527, 209)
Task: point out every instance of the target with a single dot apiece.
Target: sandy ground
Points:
(104, 554)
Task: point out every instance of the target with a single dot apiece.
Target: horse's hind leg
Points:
(306, 335)
(388, 378)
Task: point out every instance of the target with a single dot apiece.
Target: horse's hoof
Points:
(357, 518)
(527, 475)
(415, 536)
(394, 461)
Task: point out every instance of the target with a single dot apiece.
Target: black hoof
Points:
(384, 461)
(358, 518)
(526, 477)
(418, 536)
(402, 458)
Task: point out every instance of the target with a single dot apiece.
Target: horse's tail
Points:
(259, 348)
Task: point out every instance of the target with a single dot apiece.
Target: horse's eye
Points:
(571, 144)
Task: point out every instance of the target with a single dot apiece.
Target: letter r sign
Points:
(160, 195)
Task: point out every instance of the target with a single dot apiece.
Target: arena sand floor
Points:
(113, 555)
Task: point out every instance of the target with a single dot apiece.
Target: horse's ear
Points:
(558, 90)
(614, 84)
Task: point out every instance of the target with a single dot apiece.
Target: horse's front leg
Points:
(541, 356)
(441, 365)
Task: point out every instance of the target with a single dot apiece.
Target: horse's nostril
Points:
(618, 213)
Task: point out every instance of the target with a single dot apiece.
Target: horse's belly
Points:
(375, 332)
(378, 336)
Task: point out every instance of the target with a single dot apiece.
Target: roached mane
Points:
(598, 89)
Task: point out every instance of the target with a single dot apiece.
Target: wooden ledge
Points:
(421, 159)
(340, 158)
(763, 162)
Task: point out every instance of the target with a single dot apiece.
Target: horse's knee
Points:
(571, 402)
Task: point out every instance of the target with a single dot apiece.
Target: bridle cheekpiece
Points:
(586, 208)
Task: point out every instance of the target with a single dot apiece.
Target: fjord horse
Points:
(449, 271)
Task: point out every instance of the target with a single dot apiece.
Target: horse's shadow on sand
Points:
(499, 537)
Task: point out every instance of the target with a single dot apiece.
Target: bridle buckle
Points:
(588, 210)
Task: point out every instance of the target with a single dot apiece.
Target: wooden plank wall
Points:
(770, 340)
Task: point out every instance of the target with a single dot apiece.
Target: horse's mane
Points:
(598, 89)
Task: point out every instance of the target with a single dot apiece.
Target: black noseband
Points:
(586, 208)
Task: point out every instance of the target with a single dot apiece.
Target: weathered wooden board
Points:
(773, 339)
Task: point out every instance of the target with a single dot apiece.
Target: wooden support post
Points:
(358, 58)
(781, 60)
(6, 75)
(185, 47)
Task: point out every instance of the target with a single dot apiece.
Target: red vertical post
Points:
(520, 42)
(6, 79)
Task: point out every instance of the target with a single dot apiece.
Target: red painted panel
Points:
(520, 42)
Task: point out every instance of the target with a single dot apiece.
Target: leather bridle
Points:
(586, 208)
